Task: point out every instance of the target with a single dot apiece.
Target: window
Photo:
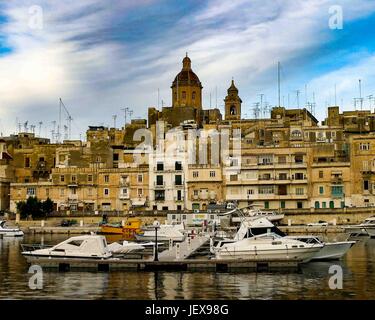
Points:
(250, 191)
(331, 205)
(266, 190)
(282, 204)
(106, 191)
(282, 159)
(296, 133)
(74, 178)
(212, 174)
(300, 191)
(159, 180)
(73, 191)
(265, 159)
(321, 190)
(234, 177)
(62, 178)
(178, 180)
(27, 162)
(30, 192)
(159, 195)
(140, 192)
(195, 192)
(160, 166)
(89, 178)
(337, 191)
(178, 165)
(317, 205)
(321, 175)
(299, 204)
(115, 157)
(124, 191)
(106, 178)
(283, 176)
(140, 178)
(298, 158)
(365, 185)
(324, 205)
(364, 146)
(298, 176)
(90, 192)
(266, 204)
(195, 174)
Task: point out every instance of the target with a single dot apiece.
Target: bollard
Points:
(18, 218)
(122, 223)
(81, 223)
(177, 251)
(289, 222)
(188, 243)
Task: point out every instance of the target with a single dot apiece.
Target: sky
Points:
(102, 56)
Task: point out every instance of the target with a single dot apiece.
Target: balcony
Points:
(124, 183)
(73, 198)
(181, 199)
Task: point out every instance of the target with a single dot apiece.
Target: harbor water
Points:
(311, 282)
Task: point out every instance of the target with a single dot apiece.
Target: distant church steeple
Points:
(232, 103)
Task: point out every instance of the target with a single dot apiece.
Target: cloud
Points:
(100, 58)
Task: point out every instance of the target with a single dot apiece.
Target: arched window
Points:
(233, 110)
(317, 204)
(193, 95)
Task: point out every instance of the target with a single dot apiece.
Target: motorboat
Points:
(128, 231)
(330, 251)
(87, 246)
(360, 229)
(370, 231)
(252, 214)
(267, 247)
(9, 232)
(165, 232)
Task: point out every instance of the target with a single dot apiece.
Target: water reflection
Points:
(311, 282)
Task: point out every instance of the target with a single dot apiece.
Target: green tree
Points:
(47, 206)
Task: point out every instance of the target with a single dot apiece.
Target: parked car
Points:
(320, 223)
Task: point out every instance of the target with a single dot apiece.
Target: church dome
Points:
(186, 77)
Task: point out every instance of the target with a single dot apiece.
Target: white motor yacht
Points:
(9, 232)
(267, 247)
(330, 251)
(360, 229)
(87, 246)
(165, 232)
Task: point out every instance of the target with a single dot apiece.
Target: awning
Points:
(138, 203)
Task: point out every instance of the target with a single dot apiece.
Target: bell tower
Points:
(232, 104)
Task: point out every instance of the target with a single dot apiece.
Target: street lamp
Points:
(156, 225)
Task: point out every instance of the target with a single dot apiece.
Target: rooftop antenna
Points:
(297, 95)
(53, 130)
(69, 119)
(335, 95)
(261, 104)
(25, 125)
(114, 117)
(216, 97)
(360, 93)
(40, 128)
(278, 80)
(158, 98)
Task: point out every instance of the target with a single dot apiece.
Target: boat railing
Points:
(33, 247)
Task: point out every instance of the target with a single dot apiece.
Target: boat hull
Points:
(333, 251)
(251, 254)
(371, 232)
(11, 233)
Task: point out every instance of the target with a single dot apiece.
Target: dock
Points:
(212, 265)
